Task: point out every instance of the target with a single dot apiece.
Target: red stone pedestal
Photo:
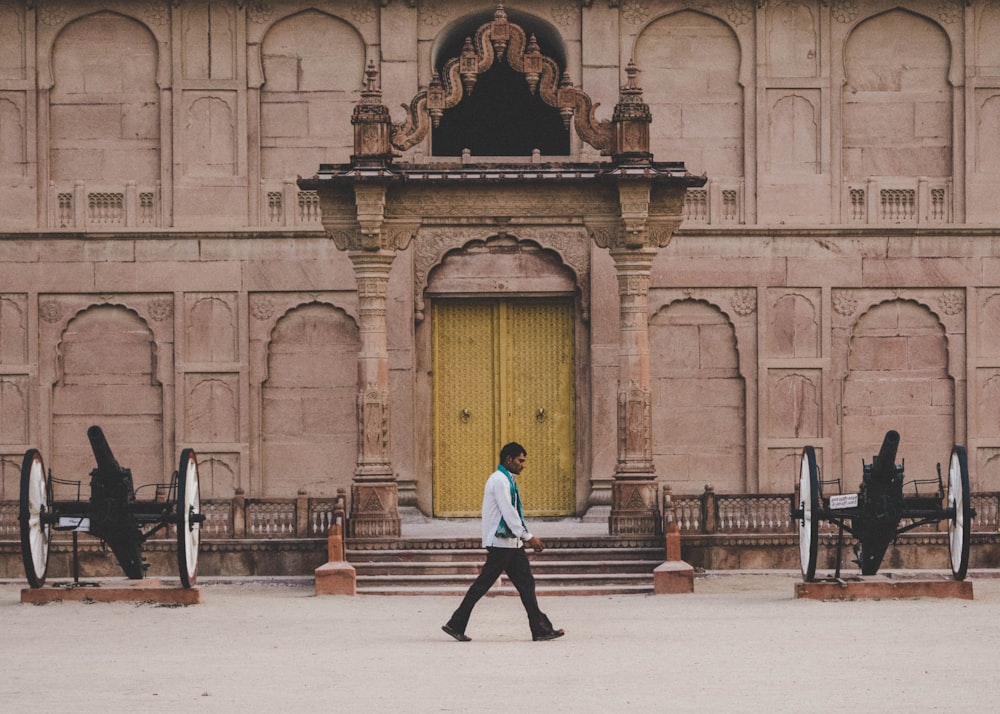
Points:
(336, 579)
(337, 576)
(879, 587)
(147, 590)
(673, 576)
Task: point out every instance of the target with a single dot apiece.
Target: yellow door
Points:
(503, 371)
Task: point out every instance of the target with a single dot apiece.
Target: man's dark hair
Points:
(513, 450)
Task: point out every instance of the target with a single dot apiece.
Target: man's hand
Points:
(536, 544)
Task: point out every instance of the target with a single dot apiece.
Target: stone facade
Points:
(163, 274)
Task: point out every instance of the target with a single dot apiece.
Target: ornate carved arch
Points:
(434, 244)
(501, 41)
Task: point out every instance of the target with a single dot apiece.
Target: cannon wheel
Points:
(809, 502)
(36, 495)
(959, 499)
(188, 527)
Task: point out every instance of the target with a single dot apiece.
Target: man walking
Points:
(504, 531)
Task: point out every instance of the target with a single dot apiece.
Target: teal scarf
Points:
(503, 530)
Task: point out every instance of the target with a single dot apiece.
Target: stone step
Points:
(508, 590)
(401, 555)
(471, 567)
(568, 569)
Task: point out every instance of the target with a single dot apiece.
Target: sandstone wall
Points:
(161, 273)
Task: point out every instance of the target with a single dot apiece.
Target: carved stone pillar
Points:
(374, 493)
(633, 492)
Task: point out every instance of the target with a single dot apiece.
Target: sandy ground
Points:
(740, 643)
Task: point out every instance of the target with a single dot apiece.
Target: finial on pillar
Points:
(372, 124)
(631, 122)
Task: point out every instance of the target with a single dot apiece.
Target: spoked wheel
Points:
(809, 505)
(36, 500)
(960, 524)
(189, 518)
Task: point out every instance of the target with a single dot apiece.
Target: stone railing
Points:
(718, 202)
(726, 514)
(283, 204)
(243, 518)
(80, 206)
(898, 201)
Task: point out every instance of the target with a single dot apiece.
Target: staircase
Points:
(568, 566)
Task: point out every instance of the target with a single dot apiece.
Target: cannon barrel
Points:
(111, 499)
(884, 466)
(107, 464)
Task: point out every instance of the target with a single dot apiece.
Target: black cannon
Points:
(882, 510)
(113, 513)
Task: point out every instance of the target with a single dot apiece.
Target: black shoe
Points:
(460, 636)
(548, 635)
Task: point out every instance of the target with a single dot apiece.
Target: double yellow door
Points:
(503, 370)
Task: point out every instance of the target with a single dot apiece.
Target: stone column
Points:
(374, 493)
(633, 492)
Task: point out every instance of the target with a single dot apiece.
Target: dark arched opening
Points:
(501, 118)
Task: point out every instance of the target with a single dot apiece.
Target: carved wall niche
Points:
(986, 393)
(792, 38)
(105, 122)
(10, 489)
(210, 145)
(897, 100)
(795, 404)
(782, 469)
(212, 407)
(211, 327)
(793, 130)
(55, 17)
(308, 394)
(987, 155)
(13, 42)
(304, 107)
(899, 375)
(218, 474)
(209, 40)
(794, 324)
(107, 374)
(691, 64)
(698, 397)
(15, 408)
(13, 135)
(13, 329)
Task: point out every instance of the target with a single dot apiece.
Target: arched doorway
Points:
(503, 369)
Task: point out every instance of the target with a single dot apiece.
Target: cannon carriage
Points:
(882, 509)
(113, 512)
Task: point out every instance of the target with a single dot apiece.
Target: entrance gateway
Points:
(376, 207)
(503, 370)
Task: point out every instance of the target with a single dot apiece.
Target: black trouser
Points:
(514, 562)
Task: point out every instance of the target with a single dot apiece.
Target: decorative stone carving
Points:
(501, 41)
(744, 302)
(432, 244)
(373, 428)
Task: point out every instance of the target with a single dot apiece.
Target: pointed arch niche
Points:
(309, 429)
(108, 376)
(898, 377)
